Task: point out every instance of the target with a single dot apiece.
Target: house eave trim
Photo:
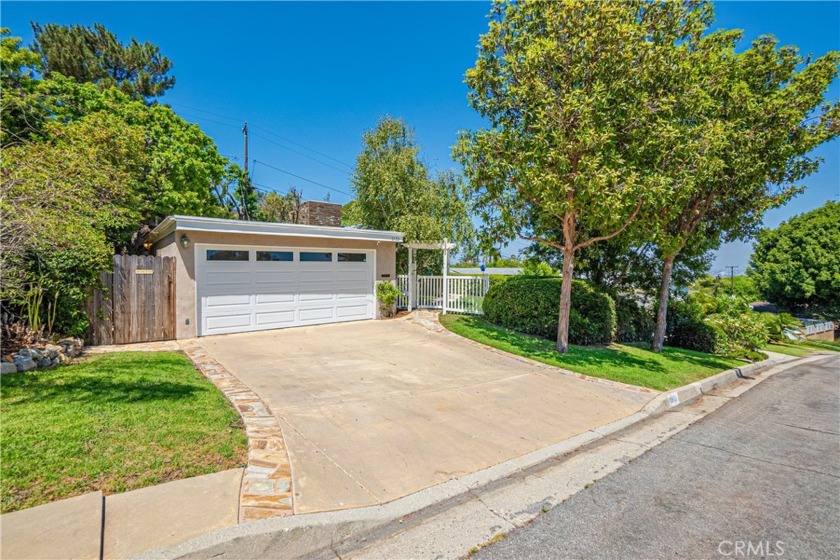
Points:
(217, 225)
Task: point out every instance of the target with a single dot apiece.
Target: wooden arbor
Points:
(446, 246)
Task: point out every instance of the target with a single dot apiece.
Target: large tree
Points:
(797, 265)
(748, 125)
(65, 202)
(86, 171)
(95, 55)
(394, 191)
(579, 100)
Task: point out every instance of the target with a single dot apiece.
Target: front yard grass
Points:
(114, 422)
(788, 349)
(631, 364)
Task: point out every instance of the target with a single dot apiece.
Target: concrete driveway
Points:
(372, 411)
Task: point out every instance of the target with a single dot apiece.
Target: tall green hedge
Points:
(531, 305)
(635, 323)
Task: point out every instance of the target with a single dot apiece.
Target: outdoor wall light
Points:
(185, 241)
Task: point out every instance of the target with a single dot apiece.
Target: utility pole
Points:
(246, 188)
(731, 279)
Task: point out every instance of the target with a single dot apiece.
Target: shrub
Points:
(739, 334)
(532, 304)
(533, 267)
(694, 335)
(634, 323)
(724, 326)
(496, 279)
(387, 295)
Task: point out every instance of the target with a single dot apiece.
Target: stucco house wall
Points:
(185, 281)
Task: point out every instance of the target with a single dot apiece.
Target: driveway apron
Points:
(375, 410)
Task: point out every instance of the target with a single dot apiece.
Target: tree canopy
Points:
(95, 55)
(579, 99)
(797, 265)
(86, 171)
(276, 207)
(393, 190)
(749, 123)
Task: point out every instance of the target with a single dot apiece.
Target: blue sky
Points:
(319, 74)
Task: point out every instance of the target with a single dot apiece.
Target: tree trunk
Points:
(662, 312)
(565, 300)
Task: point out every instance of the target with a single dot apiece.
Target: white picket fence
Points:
(465, 293)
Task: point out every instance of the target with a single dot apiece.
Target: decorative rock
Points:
(25, 363)
(35, 353)
(44, 362)
(7, 367)
(23, 353)
(51, 351)
(55, 361)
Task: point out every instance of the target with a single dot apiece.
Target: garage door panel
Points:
(276, 319)
(354, 276)
(326, 276)
(228, 322)
(215, 278)
(267, 299)
(227, 300)
(353, 311)
(241, 296)
(353, 291)
(276, 277)
(317, 313)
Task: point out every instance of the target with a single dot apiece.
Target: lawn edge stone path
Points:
(266, 489)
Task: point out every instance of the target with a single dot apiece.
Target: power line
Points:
(304, 178)
(266, 130)
(295, 151)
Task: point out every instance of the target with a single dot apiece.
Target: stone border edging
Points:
(266, 489)
(321, 530)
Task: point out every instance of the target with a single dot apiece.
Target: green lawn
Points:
(789, 349)
(802, 347)
(114, 422)
(632, 364)
(822, 345)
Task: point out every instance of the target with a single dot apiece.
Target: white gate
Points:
(465, 294)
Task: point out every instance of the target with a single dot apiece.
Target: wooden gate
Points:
(136, 302)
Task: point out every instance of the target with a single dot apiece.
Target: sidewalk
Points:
(120, 525)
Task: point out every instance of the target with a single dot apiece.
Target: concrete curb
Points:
(307, 534)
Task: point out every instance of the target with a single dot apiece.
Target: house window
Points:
(277, 256)
(226, 255)
(315, 257)
(352, 257)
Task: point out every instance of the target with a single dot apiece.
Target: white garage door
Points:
(242, 289)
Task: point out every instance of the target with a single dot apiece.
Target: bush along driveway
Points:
(631, 364)
(114, 422)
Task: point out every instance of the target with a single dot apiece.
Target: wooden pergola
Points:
(446, 246)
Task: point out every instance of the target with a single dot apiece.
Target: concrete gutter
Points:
(319, 533)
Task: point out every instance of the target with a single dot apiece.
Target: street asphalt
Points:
(758, 478)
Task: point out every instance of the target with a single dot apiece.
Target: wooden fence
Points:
(136, 302)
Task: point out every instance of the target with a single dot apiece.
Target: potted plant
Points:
(387, 295)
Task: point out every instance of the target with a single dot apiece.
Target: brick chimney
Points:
(319, 213)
